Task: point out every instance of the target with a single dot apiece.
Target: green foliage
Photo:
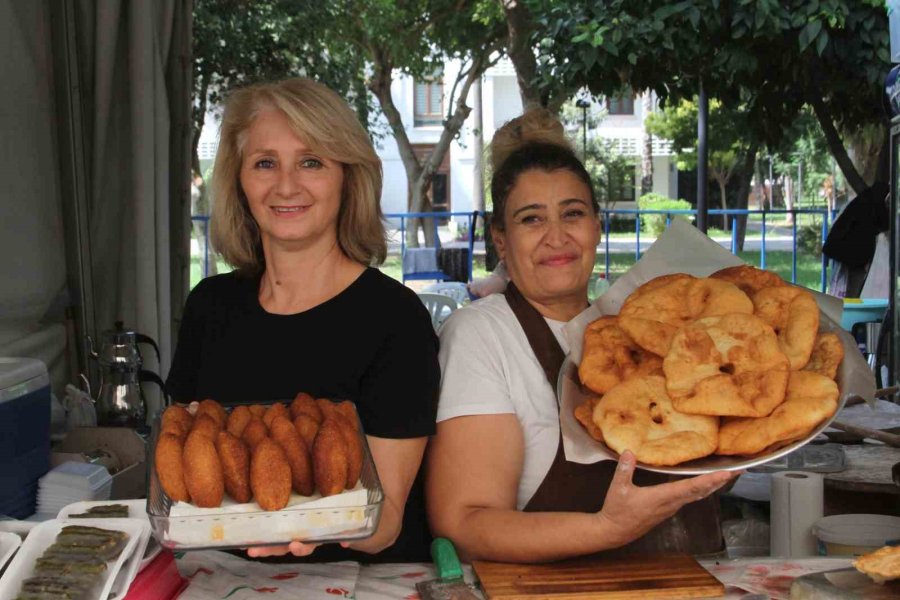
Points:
(809, 238)
(656, 224)
(770, 56)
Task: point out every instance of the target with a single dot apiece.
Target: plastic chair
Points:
(454, 289)
(439, 307)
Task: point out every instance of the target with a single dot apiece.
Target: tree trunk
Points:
(201, 207)
(647, 153)
(747, 171)
(788, 198)
(722, 183)
(835, 145)
(419, 175)
(519, 27)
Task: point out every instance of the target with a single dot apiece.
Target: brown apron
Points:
(574, 487)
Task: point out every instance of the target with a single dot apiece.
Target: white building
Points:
(422, 106)
(421, 113)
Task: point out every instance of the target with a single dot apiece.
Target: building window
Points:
(620, 105)
(429, 101)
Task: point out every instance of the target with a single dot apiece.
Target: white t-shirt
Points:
(488, 368)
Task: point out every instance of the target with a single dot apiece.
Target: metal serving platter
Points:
(571, 393)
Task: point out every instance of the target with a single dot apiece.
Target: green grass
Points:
(809, 267)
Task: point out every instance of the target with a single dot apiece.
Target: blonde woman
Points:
(517, 499)
(296, 189)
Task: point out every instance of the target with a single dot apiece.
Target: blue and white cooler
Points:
(24, 433)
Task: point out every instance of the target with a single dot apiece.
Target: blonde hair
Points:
(325, 122)
(537, 126)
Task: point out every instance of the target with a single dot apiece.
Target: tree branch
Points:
(380, 86)
(834, 140)
(519, 26)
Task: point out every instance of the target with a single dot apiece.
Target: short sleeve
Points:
(474, 379)
(181, 384)
(399, 390)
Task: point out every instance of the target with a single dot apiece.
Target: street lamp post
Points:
(583, 104)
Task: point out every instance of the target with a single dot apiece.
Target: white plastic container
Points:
(853, 535)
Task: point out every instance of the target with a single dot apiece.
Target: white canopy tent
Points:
(94, 174)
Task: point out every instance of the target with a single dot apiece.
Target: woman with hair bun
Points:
(498, 484)
(296, 190)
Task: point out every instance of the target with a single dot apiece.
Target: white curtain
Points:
(126, 62)
(32, 255)
(126, 72)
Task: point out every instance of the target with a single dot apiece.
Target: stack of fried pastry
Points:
(260, 453)
(731, 364)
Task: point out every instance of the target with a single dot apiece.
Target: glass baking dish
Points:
(351, 515)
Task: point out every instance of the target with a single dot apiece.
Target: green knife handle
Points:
(446, 562)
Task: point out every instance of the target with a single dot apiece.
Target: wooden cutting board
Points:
(645, 577)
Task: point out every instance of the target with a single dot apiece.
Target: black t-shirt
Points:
(372, 344)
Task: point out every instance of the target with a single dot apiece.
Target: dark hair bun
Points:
(538, 125)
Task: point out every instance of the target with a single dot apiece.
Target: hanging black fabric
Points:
(853, 235)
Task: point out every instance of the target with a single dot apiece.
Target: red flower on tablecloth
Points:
(414, 575)
(283, 576)
(338, 592)
(413, 596)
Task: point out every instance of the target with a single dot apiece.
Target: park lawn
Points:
(809, 268)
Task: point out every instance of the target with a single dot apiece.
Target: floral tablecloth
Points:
(221, 576)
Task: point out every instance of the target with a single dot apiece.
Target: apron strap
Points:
(540, 337)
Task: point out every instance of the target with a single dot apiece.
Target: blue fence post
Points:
(668, 219)
(794, 246)
(762, 247)
(734, 244)
(606, 254)
(637, 233)
(824, 258)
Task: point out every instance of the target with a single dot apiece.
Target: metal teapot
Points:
(120, 401)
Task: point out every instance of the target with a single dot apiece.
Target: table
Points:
(865, 486)
(220, 575)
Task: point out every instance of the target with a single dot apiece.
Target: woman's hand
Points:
(630, 511)
(295, 548)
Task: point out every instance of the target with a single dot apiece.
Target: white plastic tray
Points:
(43, 536)
(9, 543)
(137, 509)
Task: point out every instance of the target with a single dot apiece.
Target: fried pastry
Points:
(178, 420)
(169, 467)
(654, 312)
(348, 410)
(638, 415)
(258, 410)
(611, 356)
(275, 410)
(214, 410)
(237, 420)
(304, 404)
(794, 315)
(330, 458)
(307, 427)
(270, 475)
(297, 453)
(206, 425)
(235, 459)
(811, 398)
(826, 357)
(255, 431)
(726, 366)
(203, 470)
(355, 450)
(881, 565)
(749, 279)
(584, 413)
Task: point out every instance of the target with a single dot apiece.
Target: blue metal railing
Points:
(734, 213)
(608, 215)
